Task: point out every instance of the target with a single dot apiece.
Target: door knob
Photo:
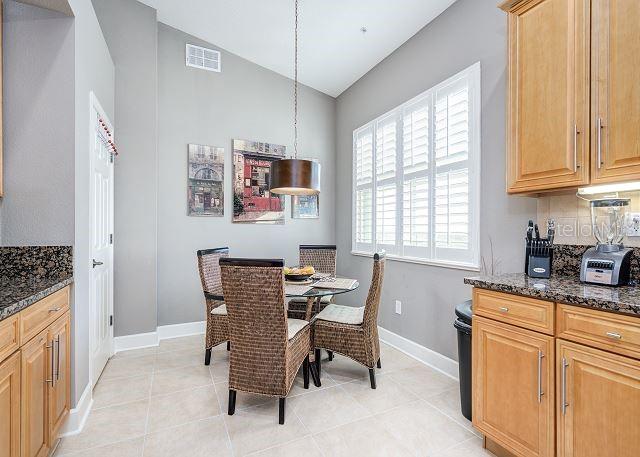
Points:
(96, 263)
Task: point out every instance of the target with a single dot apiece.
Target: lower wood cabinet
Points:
(599, 403)
(36, 371)
(60, 385)
(35, 382)
(513, 387)
(10, 406)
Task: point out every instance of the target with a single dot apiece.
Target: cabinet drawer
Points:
(612, 332)
(9, 336)
(524, 312)
(37, 316)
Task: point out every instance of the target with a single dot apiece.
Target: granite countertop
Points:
(18, 292)
(564, 289)
(30, 273)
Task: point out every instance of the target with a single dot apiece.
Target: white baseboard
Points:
(78, 415)
(137, 341)
(425, 355)
(177, 330)
(164, 332)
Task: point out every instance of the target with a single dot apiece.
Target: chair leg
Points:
(372, 377)
(305, 371)
(379, 363)
(228, 345)
(330, 353)
(232, 402)
(281, 411)
(318, 363)
(207, 356)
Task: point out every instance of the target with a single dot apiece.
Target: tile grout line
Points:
(224, 422)
(146, 424)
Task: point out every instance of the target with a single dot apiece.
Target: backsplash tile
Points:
(573, 218)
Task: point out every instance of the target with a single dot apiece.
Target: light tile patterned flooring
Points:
(163, 401)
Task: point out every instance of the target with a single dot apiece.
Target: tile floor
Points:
(161, 402)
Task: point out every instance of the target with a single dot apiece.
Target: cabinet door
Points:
(60, 387)
(548, 114)
(36, 371)
(513, 388)
(599, 400)
(10, 406)
(616, 91)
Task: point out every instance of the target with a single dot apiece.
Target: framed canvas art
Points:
(205, 181)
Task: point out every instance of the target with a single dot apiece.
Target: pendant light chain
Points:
(295, 88)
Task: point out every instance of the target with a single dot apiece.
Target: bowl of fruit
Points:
(298, 273)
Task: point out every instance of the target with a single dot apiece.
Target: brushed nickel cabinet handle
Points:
(58, 358)
(55, 310)
(575, 148)
(53, 377)
(504, 309)
(540, 391)
(564, 386)
(599, 134)
(615, 336)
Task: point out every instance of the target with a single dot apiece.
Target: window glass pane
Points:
(452, 124)
(415, 139)
(452, 209)
(386, 149)
(415, 213)
(364, 216)
(364, 157)
(386, 214)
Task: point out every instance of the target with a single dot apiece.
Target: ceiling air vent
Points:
(203, 58)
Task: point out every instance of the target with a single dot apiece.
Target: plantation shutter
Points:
(416, 177)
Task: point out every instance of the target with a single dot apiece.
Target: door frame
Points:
(96, 108)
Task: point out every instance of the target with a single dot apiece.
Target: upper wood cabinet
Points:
(615, 94)
(599, 397)
(548, 114)
(513, 397)
(574, 99)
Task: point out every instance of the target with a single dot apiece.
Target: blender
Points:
(608, 262)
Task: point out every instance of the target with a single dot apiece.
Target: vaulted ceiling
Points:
(334, 50)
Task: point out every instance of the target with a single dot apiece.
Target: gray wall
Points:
(93, 72)
(244, 101)
(38, 206)
(130, 29)
(467, 32)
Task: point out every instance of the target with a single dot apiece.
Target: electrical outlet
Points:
(398, 307)
(633, 224)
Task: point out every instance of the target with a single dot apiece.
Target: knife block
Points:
(538, 258)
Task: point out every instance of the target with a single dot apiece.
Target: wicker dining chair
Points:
(351, 331)
(267, 348)
(217, 323)
(323, 259)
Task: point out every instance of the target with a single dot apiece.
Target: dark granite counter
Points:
(564, 289)
(30, 273)
(17, 293)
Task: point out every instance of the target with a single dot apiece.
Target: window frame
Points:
(399, 252)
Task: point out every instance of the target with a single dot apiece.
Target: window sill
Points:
(433, 263)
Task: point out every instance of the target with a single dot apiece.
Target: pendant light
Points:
(295, 176)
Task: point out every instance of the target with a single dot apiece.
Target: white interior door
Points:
(101, 207)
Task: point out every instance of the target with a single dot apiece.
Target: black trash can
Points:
(463, 325)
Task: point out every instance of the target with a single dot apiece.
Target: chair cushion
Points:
(342, 314)
(294, 326)
(220, 310)
(324, 299)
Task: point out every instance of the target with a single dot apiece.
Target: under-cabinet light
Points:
(608, 188)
